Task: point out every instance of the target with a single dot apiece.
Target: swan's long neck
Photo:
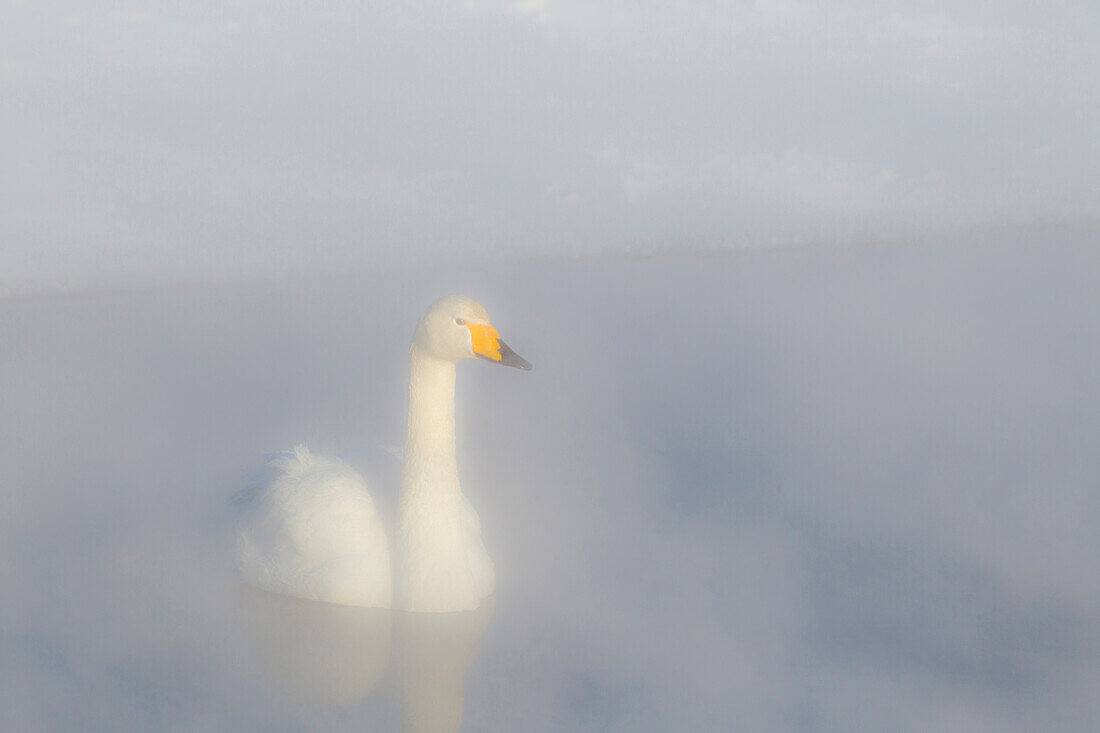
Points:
(441, 562)
(430, 463)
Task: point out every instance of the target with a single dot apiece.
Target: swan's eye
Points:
(460, 321)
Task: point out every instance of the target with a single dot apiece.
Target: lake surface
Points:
(793, 491)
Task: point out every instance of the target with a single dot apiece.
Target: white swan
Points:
(313, 531)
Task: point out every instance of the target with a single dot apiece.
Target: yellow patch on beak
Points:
(485, 340)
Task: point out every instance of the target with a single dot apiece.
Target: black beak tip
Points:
(512, 359)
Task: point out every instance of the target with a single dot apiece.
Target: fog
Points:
(151, 142)
(809, 290)
(773, 491)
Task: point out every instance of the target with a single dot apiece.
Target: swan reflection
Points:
(435, 650)
(319, 655)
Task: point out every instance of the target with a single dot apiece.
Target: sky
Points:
(149, 141)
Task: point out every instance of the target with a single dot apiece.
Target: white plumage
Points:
(313, 531)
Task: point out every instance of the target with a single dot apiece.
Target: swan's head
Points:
(457, 327)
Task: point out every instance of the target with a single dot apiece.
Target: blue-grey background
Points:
(811, 439)
(151, 141)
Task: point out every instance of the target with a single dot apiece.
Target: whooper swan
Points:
(312, 530)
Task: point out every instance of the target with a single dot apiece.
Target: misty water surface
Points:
(787, 491)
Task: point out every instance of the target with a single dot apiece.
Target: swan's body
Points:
(313, 531)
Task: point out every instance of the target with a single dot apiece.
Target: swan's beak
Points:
(487, 345)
